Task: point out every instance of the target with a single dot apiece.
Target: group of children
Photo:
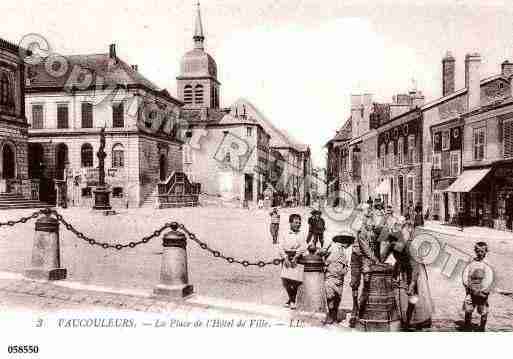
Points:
(477, 277)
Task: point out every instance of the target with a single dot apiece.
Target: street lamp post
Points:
(101, 193)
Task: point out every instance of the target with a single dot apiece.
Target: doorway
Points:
(163, 167)
(35, 160)
(8, 162)
(61, 160)
(248, 187)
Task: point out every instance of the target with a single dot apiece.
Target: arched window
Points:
(86, 155)
(198, 94)
(6, 98)
(187, 94)
(118, 156)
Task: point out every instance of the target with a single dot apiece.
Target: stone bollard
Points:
(46, 259)
(311, 296)
(174, 275)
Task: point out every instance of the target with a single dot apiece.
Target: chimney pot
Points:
(448, 74)
(473, 80)
(135, 67)
(112, 51)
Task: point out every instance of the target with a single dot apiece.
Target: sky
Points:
(298, 61)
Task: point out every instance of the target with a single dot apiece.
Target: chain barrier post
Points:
(46, 259)
(174, 275)
(312, 295)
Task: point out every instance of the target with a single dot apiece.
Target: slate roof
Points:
(343, 134)
(105, 70)
(279, 137)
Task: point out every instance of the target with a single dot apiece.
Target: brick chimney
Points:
(112, 51)
(473, 80)
(507, 69)
(448, 74)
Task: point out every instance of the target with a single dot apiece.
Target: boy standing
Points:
(336, 269)
(275, 224)
(316, 228)
(477, 280)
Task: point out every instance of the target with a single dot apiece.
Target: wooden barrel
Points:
(380, 313)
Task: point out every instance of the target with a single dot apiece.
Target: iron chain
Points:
(25, 219)
(105, 245)
(146, 239)
(218, 254)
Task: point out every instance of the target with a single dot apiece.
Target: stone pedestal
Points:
(174, 275)
(46, 260)
(102, 199)
(312, 294)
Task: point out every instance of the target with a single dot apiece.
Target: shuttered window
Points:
(410, 188)
(400, 150)
(508, 139)
(390, 155)
(411, 149)
(87, 115)
(37, 116)
(479, 143)
(118, 114)
(446, 164)
(62, 116)
(437, 161)
(455, 163)
(187, 94)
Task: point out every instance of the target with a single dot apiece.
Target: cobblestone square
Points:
(242, 234)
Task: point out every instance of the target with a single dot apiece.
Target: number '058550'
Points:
(23, 349)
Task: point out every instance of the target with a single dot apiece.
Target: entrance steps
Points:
(17, 201)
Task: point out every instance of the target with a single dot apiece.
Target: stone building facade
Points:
(445, 115)
(67, 112)
(337, 167)
(231, 151)
(485, 185)
(14, 176)
(399, 154)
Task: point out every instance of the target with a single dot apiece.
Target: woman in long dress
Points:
(413, 294)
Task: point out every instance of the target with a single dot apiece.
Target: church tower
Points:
(197, 84)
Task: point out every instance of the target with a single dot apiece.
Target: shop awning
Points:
(468, 180)
(383, 187)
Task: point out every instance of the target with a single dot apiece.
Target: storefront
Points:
(486, 196)
(502, 206)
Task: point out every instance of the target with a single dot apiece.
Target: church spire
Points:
(198, 30)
